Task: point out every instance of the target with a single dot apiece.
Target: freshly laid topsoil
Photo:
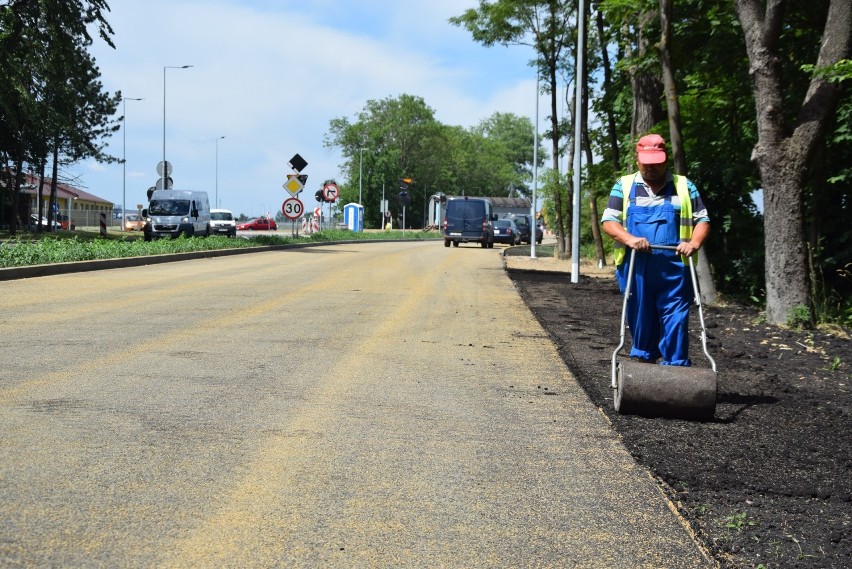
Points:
(766, 482)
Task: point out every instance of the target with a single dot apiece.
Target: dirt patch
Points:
(767, 482)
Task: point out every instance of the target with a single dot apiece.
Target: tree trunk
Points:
(646, 88)
(783, 158)
(612, 132)
(705, 276)
(51, 215)
(593, 197)
(593, 206)
(563, 238)
(16, 196)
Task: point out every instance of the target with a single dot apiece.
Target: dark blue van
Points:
(468, 220)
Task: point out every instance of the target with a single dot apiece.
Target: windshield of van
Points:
(464, 209)
(221, 216)
(169, 207)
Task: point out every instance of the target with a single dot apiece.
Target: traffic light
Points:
(320, 198)
(404, 182)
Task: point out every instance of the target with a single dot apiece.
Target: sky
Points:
(269, 76)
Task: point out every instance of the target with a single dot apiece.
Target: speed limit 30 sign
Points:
(292, 208)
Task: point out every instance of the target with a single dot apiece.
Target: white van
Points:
(172, 213)
(222, 222)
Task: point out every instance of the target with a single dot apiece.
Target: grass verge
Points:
(62, 247)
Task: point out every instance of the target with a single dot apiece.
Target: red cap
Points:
(651, 149)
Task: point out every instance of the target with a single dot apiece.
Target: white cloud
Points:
(270, 75)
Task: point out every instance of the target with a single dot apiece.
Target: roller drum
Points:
(665, 391)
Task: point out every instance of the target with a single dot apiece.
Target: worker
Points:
(655, 207)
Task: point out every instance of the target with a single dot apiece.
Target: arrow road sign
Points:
(330, 192)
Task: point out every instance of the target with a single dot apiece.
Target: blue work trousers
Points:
(661, 293)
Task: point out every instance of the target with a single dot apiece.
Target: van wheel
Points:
(484, 244)
(455, 243)
(446, 242)
(491, 244)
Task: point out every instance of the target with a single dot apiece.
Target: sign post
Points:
(293, 208)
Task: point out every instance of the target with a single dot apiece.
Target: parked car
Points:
(523, 223)
(65, 222)
(222, 222)
(33, 223)
(258, 224)
(132, 222)
(505, 231)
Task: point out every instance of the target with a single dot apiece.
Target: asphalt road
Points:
(354, 405)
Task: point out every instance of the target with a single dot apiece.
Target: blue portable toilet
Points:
(353, 216)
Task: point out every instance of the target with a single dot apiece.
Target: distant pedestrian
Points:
(655, 207)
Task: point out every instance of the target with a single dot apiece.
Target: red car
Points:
(259, 224)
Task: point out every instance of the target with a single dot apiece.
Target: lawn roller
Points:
(663, 391)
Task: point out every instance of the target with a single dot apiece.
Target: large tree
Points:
(400, 138)
(544, 26)
(517, 134)
(788, 138)
(708, 288)
(52, 100)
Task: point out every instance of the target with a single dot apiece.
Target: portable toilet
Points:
(353, 216)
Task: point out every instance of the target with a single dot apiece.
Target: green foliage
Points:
(550, 183)
(52, 102)
(799, 317)
(517, 137)
(835, 364)
(21, 253)
(400, 138)
(738, 521)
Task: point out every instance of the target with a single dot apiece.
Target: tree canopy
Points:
(51, 97)
(400, 138)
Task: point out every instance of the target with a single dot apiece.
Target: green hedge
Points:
(60, 249)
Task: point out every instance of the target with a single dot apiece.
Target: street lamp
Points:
(123, 163)
(165, 173)
(217, 170)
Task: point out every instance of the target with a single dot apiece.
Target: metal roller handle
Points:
(697, 301)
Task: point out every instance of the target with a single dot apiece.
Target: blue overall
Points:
(661, 293)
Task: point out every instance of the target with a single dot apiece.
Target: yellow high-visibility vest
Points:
(686, 221)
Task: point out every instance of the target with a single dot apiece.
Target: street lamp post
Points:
(165, 173)
(217, 170)
(123, 163)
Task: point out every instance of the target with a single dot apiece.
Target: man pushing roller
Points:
(655, 207)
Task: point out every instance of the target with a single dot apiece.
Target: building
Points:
(81, 207)
(502, 207)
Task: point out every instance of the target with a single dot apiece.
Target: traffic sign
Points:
(330, 192)
(292, 208)
(293, 185)
(297, 163)
(167, 166)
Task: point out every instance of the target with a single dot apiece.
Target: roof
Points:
(511, 202)
(31, 182)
